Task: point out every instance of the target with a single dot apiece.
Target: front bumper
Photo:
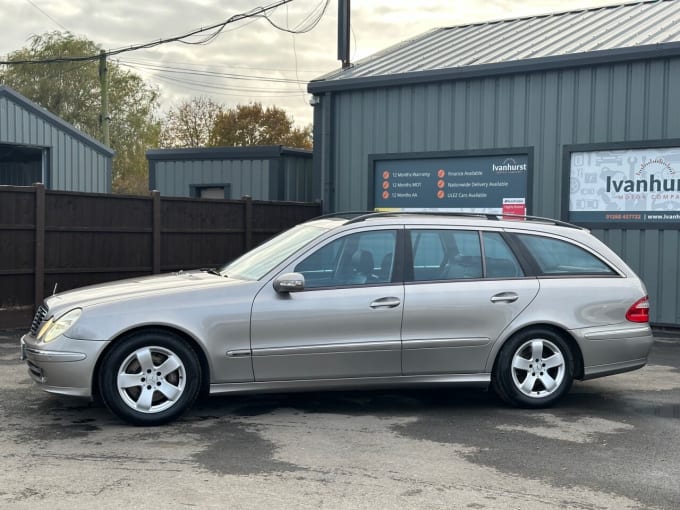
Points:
(66, 368)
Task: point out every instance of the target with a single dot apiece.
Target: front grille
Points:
(38, 320)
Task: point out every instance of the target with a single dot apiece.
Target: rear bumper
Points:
(614, 349)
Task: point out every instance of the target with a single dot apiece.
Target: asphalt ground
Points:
(611, 443)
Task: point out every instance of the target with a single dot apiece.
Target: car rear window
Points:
(557, 257)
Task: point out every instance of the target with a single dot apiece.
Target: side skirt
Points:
(465, 380)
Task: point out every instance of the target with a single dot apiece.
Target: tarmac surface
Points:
(611, 443)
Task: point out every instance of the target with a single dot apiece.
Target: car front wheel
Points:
(150, 378)
(534, 369)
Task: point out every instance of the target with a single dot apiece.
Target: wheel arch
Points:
(568, 338)
(191, 342)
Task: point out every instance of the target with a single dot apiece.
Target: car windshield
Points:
(256, 263)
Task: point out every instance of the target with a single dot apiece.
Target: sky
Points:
(250, 60)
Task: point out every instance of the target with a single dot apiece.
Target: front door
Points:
(347, 321)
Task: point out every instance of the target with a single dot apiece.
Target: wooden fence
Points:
(68, 240)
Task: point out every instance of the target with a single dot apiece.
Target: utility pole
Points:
(104, 83)
(343, 32)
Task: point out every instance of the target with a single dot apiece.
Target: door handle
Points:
(505, 297)
(386, 302)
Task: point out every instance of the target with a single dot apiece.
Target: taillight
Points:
(639, 312)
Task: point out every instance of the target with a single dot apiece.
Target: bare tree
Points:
(189, 124)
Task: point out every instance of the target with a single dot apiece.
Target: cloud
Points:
(249, 47)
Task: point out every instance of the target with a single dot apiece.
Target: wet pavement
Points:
(611, 443)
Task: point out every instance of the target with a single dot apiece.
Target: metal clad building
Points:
(594, 89)
(263, 173)
(37, 146)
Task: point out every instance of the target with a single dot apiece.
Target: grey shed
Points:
(38, 146)
(271, 172)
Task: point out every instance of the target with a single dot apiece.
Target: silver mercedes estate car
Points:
(354, 301)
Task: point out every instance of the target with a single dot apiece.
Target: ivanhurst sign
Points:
(483, 181)
(625, 186)
(643, 185)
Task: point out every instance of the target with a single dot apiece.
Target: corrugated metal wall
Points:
(73, 164)
(545, 110)
(246, 176)
(286, 177)
(297, 175)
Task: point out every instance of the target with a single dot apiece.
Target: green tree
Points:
(190, 123)
(252, 124)
(71, 91)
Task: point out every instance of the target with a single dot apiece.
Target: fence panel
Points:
(70, 240)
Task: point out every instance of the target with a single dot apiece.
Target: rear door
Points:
(463, 288)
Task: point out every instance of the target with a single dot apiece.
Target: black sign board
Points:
(481, 181)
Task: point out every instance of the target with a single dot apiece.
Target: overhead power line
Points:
(173, 64)
(47, 15)
(306, 25)
(214, 30)
(210, 74)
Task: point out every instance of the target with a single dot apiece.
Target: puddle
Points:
(666, 411)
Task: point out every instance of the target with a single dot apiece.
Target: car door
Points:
(462, 289)
(346, 323)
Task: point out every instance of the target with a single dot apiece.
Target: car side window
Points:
(443, 254)
(557, 257)
(363, 258)
(499, 259)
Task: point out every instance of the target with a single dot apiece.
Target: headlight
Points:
(53, 328)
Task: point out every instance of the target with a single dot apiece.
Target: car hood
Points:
(135, 288)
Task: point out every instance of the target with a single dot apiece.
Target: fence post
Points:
(248, 221)
(156, 232)
(39, 289)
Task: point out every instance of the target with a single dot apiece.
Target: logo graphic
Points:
(509, 166)
(658, 165)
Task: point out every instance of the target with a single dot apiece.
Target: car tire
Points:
(534, 369)
(150, 378)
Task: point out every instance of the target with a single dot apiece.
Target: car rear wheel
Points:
(150, 378)
(534, 369)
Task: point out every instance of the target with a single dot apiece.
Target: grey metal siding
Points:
(73, 164)
(547, 110)
(246, 176)
(296, 179)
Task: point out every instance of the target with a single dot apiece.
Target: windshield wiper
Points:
(212, 270)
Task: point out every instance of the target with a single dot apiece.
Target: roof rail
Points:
(358, 216)
(349, 215)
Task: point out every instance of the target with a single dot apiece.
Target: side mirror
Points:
(289, 282)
